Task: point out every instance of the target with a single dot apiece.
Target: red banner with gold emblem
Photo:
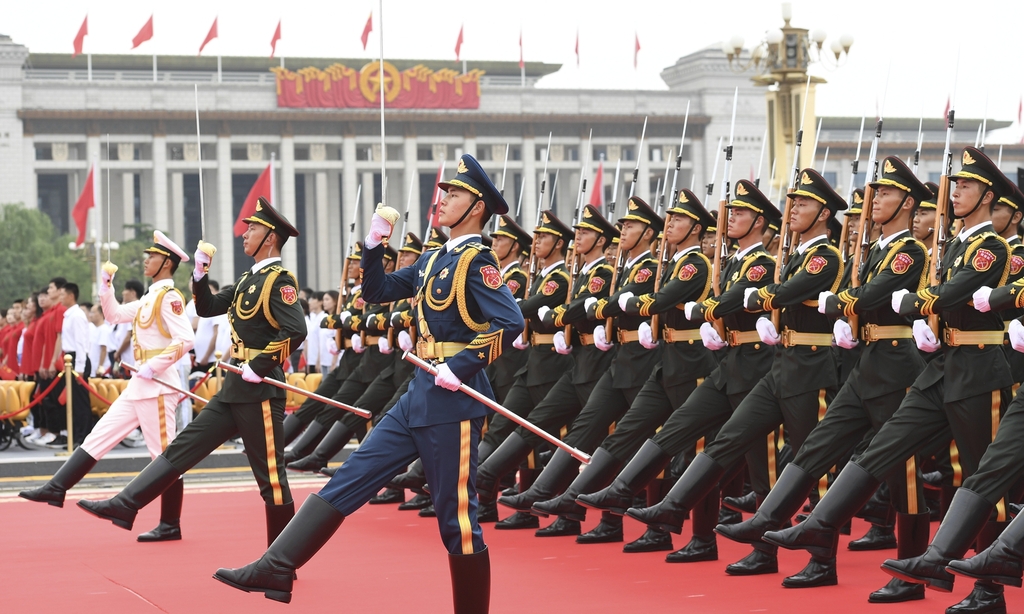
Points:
(341, 87)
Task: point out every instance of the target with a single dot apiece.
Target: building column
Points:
(323, 231)
(128, 204)
(411, 177)
(31, 187)
(286, 192)
(469, 146)
(223, 221)
(177, 209)
(529, 156)
(349, 187)
(162, 221)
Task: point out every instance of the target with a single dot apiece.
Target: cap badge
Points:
(259, 206)
(633, 206)
(805, 179)
(502, 222)
(462, 167)
(857, 198)
(968, 159)
(546, 219)
(683, 198)
(740, 190)
(587, 213)
(889, 168)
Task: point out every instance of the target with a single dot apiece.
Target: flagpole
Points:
(380, 73)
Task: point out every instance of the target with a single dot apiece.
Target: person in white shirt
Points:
(312, 343)
(208, 334)
(123, 352)
(329, 354)
(99, 341)
(74, 342)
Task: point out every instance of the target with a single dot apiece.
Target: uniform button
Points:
(894, 343)
(691, 341)
(814, 348)
(439, 290)
(981, 346)
(757, 346)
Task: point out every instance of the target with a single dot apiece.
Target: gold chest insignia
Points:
(443, 274)
(252, 289)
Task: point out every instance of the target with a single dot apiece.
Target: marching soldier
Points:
(802, 378)
(161, 335)
(619, 386)
(570, 393)
(1006, 217)
(924, 217)
(510, 241)
(466, 318)
(745, 362)
(684, 362)
(266, 323)
(946, 395)
(887, 366)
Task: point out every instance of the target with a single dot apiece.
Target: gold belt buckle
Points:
(868, 333)
(734, 337)
(949, 336)
(425, 349)
(787, 337)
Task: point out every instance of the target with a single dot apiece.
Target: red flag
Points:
(212, 34)
(945, 113)
(260, 188)
(636, 50)
(367, 29)
(458, 44)
(577, 47)
(275, 38)
(86, 200)
(521, 63)
(80, 37)
(597, 193)
(144, 34)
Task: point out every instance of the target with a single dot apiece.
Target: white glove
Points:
(405, 341)
(844, 334)
(249, 375)
(623, 299)
(600, 340)
(646, 336)
(106, 277)
(1017, 335)
(587, 303)
(383, 345)
(519, 343)
(897, 299)
(712, 340)
(332, 347)
(380, 229)
(343, 315)
(357, 344)
(767, 331)
(145, 372)
(822, 298)
(202, 262)
(544, 309)
(561, 346)
(446, 379)
(688, 309)
(747, 293)
(981, 299)
(924, 338)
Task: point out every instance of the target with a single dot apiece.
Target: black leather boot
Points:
(699, 478)
(69, 474)
(278, 517)
(878, 510)
(487, 511)
(169, 528)
(746, 504)
(728, 516)
(820, 571)
(520, 520)
(602, 468)
(555, 478)
(121, 510)
(784, 500)
(561, 527)
(651, 541)
(413, 478)
(332, 443)
(877, 538)
(471, 582)
(913, 541)
(390, 495)
(763, 559)
(500, 463)
(609, 530)
(1000, 563)
(984, 599)
(649, 461)
(703, 546)
(965, 518)
(307, 440)
(416, 503)
(819, 534)
(274, 572)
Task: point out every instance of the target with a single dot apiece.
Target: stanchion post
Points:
(69, 403)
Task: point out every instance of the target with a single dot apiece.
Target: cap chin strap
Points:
(262, 241)
(1008, 224)
(751, 229)
(468, 209)
(509, 252)
(816, 216)
(897, 211)
(980, 200)
(638, 237)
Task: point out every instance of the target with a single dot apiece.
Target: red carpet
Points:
(383, 560)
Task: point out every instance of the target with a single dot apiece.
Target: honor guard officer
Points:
(887, 366)
(802, 377)
(161, 335)
(924, 217)
(745, 362)
(466, 318)
(685, 362)
(617, 387)
(570, 393)
(266, 323)
(948, 394)
(1006, 219)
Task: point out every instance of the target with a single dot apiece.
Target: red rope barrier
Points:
(38, 399)
(92, 390)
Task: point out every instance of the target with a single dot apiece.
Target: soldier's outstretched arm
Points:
(381, 287)
(209, 304)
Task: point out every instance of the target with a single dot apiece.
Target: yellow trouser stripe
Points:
(997, 402)
(822, 408)
(911, 485)
(700, 445)
(162, 416)
(954, 461)
(268, 433)
(463, 488)
(772, 473)
(531, 461)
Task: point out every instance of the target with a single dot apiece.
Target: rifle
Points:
(844, 237)
(619, 262)
(941, 214)
(862, 247)
(504, 172)
(573, 260)
(343, 291)
(615, 189)
(920, 141)
(679, 155)
(721, 247)
(532, 268)
(787, 239)
(663, 247)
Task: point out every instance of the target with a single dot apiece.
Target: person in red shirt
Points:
(54, 415)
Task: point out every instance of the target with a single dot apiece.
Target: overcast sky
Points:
(919, 40)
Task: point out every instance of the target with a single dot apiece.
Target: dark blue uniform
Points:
(469, 317)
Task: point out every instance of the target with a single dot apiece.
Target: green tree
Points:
(32, 253)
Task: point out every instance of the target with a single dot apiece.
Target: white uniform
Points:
(161, 335)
